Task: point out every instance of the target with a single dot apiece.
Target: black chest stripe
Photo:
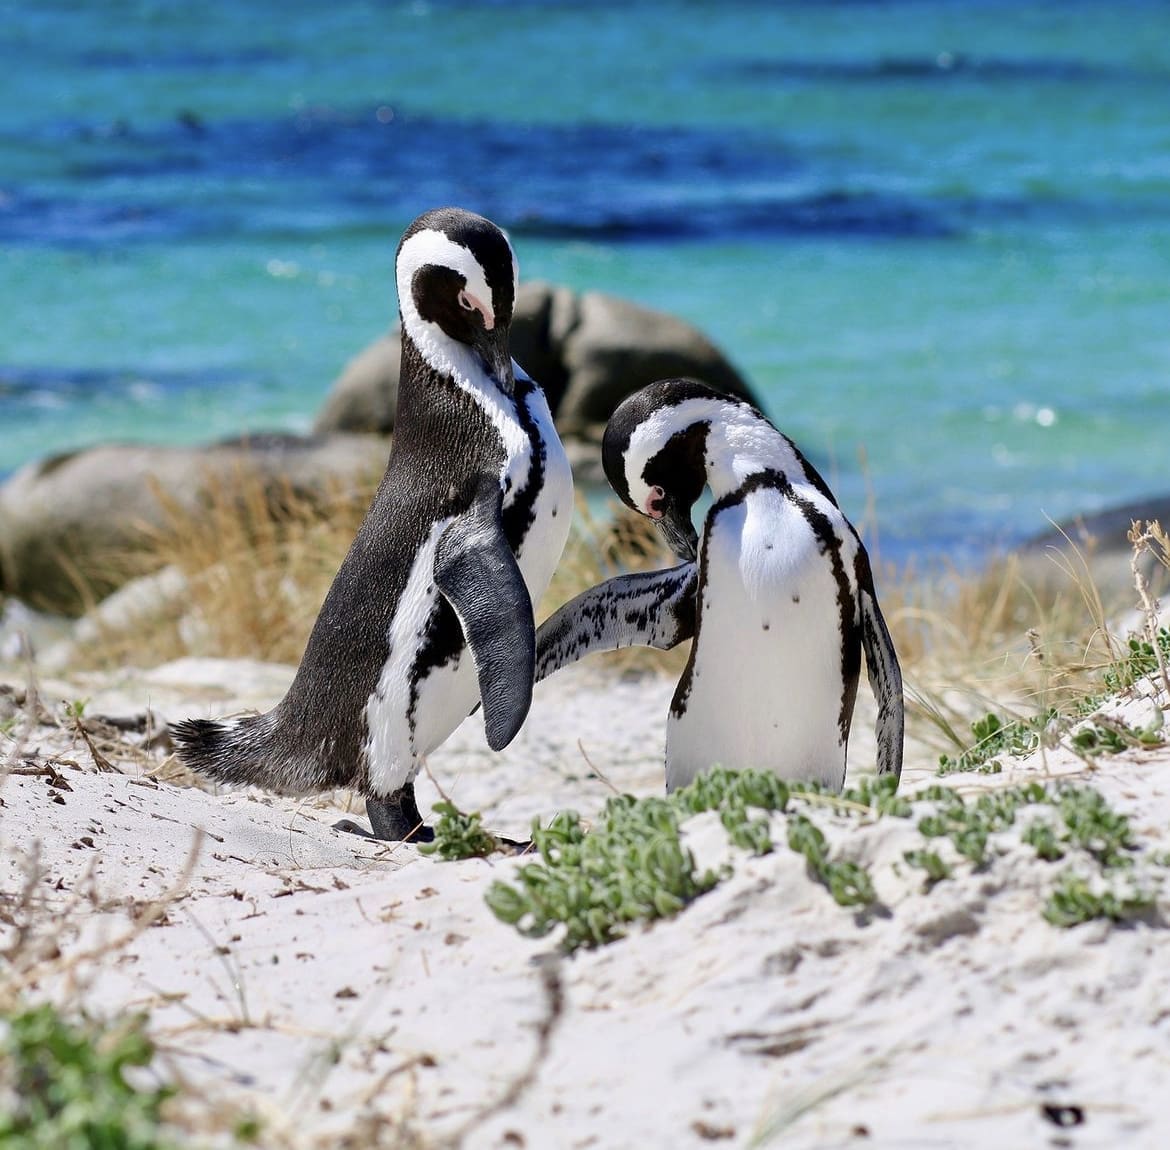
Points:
(521, 513)
(829, 545)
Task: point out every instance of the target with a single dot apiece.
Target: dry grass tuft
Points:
(255, 563)
(997, 641)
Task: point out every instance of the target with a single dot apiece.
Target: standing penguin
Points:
(431, 610)
(779, 595)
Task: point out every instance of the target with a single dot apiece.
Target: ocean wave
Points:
(936, 68)
(325, 169)
(42, 385)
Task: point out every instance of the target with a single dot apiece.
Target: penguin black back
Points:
(457, 531)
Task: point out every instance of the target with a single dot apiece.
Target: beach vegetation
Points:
(633, 864)
(1076, 899)
(459, 835)
(67, 1083)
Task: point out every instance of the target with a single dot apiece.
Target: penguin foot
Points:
(514, 846)
(394, 819)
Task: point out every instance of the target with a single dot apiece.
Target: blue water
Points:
(934, 236)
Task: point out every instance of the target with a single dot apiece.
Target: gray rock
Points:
(365, 394)
(614, 347)
(68, 523)
(587, 351)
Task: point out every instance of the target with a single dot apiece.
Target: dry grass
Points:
(255, 570)
(1007, 641)
(256, 565)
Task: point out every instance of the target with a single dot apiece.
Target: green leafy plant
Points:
(970, 824)
(1138, 661)
(931, 862)
(995, 738)
(631, 867)
(1096, 827)
(67, 1085)
(1096, 739)
(847, 882)
(459, 835)
(1074, 901)
(1045, 840)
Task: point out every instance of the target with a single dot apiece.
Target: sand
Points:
(363, 994)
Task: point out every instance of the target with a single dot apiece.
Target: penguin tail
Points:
(245, 752)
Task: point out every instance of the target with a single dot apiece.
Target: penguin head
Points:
(456, 275)
(655, 453)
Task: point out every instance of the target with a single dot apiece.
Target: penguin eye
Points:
(465, 301)
(654, 503)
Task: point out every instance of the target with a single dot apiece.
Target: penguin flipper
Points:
(645, 609)
(885, 677)
(478, 575)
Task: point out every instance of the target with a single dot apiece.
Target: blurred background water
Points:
(934, 236)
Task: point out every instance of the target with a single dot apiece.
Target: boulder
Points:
(365, 394)
(614, 347)
(587, 351)
(68, 523)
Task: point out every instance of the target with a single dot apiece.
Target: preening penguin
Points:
(431, 610)
(777, 593)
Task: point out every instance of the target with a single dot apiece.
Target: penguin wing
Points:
(885, 677)
(646, 609)
(478, 575)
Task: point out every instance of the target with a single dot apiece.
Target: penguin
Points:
(430, 613)
(776, 592)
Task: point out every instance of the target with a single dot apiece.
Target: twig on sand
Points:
(594, 768)
(554, 1010)
(99, 760)
(1143, 540)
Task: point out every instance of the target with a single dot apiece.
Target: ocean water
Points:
(934, 236)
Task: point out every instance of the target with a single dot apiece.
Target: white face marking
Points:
(740, 443)
(432, 247)
(448, 356)
(651, 436)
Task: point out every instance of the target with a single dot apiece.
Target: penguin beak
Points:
(679, 531)
(491, 345)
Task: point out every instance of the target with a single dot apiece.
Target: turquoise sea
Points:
(934, 235)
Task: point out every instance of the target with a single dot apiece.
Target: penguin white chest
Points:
(767, 671)
(407, 716)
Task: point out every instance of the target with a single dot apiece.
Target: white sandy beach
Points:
(360, 994)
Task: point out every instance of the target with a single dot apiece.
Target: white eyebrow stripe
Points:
(431, 246)
(652, 434)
